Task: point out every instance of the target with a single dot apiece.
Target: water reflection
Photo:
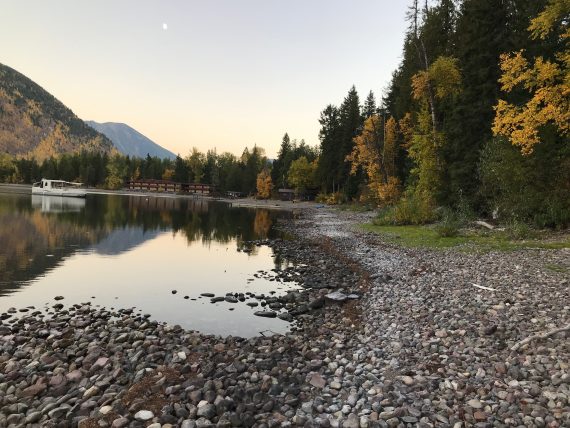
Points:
(131, 251)
(57, 204)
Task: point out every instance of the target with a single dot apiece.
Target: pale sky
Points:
(221, 74)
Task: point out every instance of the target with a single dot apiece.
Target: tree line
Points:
(476, 117)
(225, 171)
(252, 173)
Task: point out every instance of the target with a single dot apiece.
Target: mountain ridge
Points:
(129, 141)
(34, 123)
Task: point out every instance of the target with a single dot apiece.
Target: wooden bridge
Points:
(169, 186)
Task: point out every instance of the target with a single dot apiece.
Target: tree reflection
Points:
(29, 233)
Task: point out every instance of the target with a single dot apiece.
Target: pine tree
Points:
(180, 170)
(482, 35)
(369, 108)
(280, 166)
(253, 162)
(329, 136)
(350, 127)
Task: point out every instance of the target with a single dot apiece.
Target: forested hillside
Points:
(33, 123)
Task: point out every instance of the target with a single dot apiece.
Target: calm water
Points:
(132, 251)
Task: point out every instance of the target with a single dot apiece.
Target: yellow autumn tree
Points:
(440, 81)
(195, 161)
(375, 152)
(168, 174)
(301, 174)
(264, 184)
(116, 172)
(546, 80)
(136, 173)
(406, 126)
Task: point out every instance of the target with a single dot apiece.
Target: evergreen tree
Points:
(303, 149)
(482, 35)
(180, 170)
(211, 169)
(329, 136)
(253, 162)
(369, 108)
(350, 127)
(280, 167)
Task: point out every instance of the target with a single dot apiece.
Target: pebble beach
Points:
(383, 336)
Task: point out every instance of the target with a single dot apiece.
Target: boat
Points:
(58, 188)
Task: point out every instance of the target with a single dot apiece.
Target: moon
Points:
(164, 26)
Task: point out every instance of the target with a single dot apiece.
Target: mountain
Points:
(129, 141)
(125, 239)
(34, 123)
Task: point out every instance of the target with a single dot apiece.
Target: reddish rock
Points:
(57, 380)
(317, 380)
(35, 389)
(480, 416)
(74, 376)
(101, 362)
(500, 368)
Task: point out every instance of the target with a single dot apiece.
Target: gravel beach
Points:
(383, 336)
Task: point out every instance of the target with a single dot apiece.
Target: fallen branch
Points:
(484, 224)
(482, 287)
(541, 336)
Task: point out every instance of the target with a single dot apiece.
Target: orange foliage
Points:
(375, 154)
(547, 82)
(264, 184)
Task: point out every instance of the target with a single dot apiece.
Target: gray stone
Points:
(33, 417)
(207, 411)
(317, 380)
(144, 415)
(476, 404)
(120, 422)
(336, 296)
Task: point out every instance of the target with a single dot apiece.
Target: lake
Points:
(126, 252)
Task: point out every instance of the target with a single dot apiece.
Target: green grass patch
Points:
(355, 207)
(556, 268)
(429, 237)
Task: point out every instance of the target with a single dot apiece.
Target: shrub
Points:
(410, 210)
(449, 224)
(335, 198)
(321, 198)
(517, 230)
(533, 188)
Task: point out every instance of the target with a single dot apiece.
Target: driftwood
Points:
(484, 224)
(540, 336)
(482, 287)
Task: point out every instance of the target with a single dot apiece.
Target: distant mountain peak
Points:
(129, 141)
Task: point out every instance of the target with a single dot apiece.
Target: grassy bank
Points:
(468, 240)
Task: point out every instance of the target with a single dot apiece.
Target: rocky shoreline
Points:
(427, 344)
